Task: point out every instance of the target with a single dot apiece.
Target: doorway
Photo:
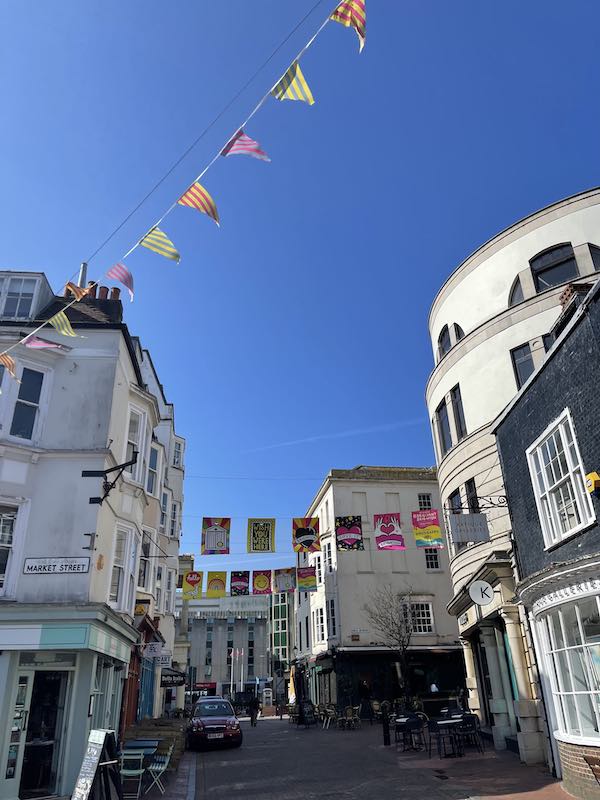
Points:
(44, 728)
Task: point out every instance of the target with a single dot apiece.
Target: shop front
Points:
(59, 678)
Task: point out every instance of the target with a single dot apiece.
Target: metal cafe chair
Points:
(157, 768)
(469, 731)
(446, 739)
(131, 767)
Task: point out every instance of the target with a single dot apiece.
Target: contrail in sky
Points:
(390, 426)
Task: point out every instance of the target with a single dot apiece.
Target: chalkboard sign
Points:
(307, 713)
(99, 777)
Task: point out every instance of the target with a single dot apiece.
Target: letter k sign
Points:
(481, 593)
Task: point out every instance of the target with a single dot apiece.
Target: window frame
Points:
(432, 559)
(416, 620)
(332, 620)
(548, 512)
(513, 358)
(11, 398)
(424, 500)
(516, 295)
(471, 496)
(551, 263)
(458, 412)
(444, 447)
(177, 454)
(156, 471)
(4, 288)
(8, 511)
(148, 586)
(137, 473)
(442, 340)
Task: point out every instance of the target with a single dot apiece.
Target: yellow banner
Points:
(192, 585)
(215, 586)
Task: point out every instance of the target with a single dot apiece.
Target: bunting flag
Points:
(215, 536)
(353, 14)
(37, 343)
(62, 324)
(293, 86)
(241, 144)
(284, 580)
(76, 291)
(426, 528)
(305, 534)
(9, 363)
(388, 532)
(261, 535)
(307, 579)
(197, 197)
(192, 585)
(261, 581)
(348, 533)
(119, 272)
(159, 242)
(215, 586)
(240, 583)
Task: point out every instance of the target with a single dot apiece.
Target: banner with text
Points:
(388, 532)
(348, 533)
(261, 581)
(426, 528)
(240, 583)
(192, 585)
(305, 534)
(284, 580)
(261, 535)
(306, 579)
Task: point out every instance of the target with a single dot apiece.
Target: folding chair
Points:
(131, 767)
(157, 769)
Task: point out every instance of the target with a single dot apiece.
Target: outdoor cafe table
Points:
(146, 746)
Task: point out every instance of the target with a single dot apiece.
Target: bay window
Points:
(125, 567)
(136, 442)
(153, 471)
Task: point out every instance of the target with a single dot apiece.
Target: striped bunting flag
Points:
(197, 197)
(36, 343)
(160, 243)
(8, 362)
(243, 145)
(293, 86)
(119, 272)
(62, 324)
(76, 291)
(353, 14)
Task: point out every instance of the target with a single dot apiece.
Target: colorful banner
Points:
(215, 536)
(284, 580)
(261, 581)
(215, 586)
(348, 533)
(192, 585)
(306, 579)
(426, 527)
(388, 532)
(240, 583)
(305, 534)
(261, 535)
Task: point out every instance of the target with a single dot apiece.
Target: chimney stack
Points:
(82, 274)
(115, 293)
(103, 293)
(92, 287)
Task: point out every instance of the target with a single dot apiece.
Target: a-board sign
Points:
(99, 777)
(307, 713)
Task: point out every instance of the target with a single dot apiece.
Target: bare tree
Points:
(389, 613)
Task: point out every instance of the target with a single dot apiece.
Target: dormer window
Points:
(16, 297)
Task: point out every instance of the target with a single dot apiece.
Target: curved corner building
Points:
(489, 327)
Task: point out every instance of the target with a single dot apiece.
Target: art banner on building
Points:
(426, 528)
(305, 534)
(388, 532)
(306, 579)
(261, 535)
(261, 581)
(284, 580)
(215, 536)
(215, 585)
(348, 533)
(240, 583)
(192, 585)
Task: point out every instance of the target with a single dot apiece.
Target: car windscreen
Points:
(216, 709)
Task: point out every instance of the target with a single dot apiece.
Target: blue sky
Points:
(294, 338)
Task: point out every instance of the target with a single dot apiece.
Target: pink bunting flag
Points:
(119, 272)
(241, 144)
(37, 343)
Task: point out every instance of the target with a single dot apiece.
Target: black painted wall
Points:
(569, 379)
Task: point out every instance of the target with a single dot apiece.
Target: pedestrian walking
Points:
(254, 707)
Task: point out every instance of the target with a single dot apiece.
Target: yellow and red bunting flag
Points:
(293, 86)
(159, 242)
(197, 197)
(353, 14)
(9, 363)
(77, 292)
(61, 322)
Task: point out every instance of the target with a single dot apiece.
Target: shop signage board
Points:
(153, 650)
(468, 528)
(56, 566)
(164, 659)
(169, 679)
(481, 593)
(99, 775)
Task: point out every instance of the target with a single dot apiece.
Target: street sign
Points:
(153, 650)
(164, 659)
(481, 593)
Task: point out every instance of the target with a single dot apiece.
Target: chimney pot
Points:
(115, 293)
(103, 293)
(92, 287)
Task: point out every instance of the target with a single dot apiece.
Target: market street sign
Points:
(56, 566)
(481, 593)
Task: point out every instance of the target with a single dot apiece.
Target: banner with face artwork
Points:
(306, 579)
(261, 581)
(348, 533)
(388, 532)
(284, 580)
(215, 536)
(240, 583)
(305, 534)
(215, 585)
(261, 535)
(426, 528)
(192, 585)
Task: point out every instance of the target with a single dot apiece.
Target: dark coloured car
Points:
(213, 722)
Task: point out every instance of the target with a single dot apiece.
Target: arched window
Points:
(516, 293)
(553, 267)
(458, 333)
(444, 341)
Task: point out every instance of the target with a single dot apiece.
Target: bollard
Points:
(385, 721)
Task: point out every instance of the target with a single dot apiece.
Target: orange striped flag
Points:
(8, 362)
(76, 291)
(197, 197)
(353, 14)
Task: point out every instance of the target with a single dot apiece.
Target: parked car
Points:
(213, 722)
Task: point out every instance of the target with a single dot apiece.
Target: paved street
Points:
(281, 761)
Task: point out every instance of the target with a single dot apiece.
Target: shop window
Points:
(557, 474)
(553, 267)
